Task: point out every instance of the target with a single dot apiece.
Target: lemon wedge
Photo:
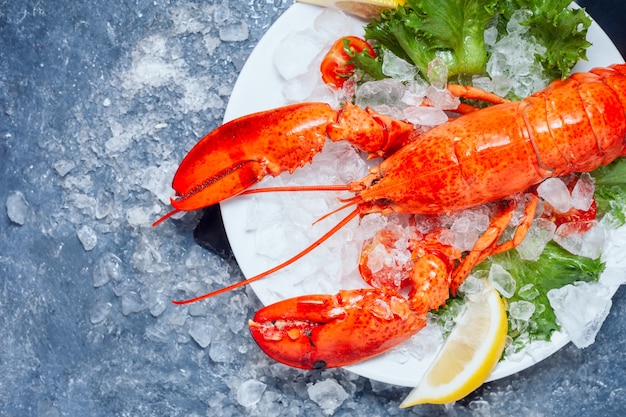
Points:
(366, 9)
(468, 356)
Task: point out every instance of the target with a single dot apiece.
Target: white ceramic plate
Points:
(258, 88)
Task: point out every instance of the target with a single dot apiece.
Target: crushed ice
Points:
(137, 164)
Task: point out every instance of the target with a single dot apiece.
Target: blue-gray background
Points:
(80, 335)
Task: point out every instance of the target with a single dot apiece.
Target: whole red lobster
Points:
(574, 125)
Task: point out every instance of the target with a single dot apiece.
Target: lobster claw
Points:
(241, 152)
(328, 331)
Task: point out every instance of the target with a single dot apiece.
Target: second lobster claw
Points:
(328, 331)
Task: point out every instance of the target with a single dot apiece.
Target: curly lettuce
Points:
(454, 31)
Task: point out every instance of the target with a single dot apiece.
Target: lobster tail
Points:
(585, 106)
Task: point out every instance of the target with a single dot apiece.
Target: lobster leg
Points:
(488, 243)
(328, 331)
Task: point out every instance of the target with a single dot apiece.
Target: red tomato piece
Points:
(335, 65)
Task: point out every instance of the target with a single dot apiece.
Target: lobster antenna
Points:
(288, 262)
(167, 216)
(272, 190)
(341, 187)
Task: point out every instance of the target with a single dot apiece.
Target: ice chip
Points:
(17, 207)
(249, 392)
(415, 92)
(555, 192)
(484, 83)
(87, 237)
(200, 331)
(375, 93)
(588, 244)
(541, 232)
(99, 312)
(299, 88)
(580, 309)
(295, 53)
(491, 35)
(108, 267)
(63, 167)
(131, 303)
(521, 310)
(501, 85)
(514, 25)
(613, 276)
(398, 68)
(513, 56)
(158, 304)
(221, 351)
(528, 292)
(328, 394)
(425, 116)
(235, 32)
(582, 193)
(502, 280)
(472, 286)
(437, 73)
(332, 24)
(441, 98)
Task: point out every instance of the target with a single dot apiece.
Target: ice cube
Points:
(63, 167)
(442, 98)
(425, 116)
(528, 292)
(17, 207)
(99, 312)
(484, 83)
(415, 92)
(295, 53)
(491, 35)
(540, 233)
(301, 87)
(249, 392)
(397, 68)
(581, 308)
(514, 25)
(555, 192)
(588, 244)
(108, 267)
(87, 237)
(437, 73)
(201, 332)
(235, 32)
(501, 85)
(131, 303)
(502, 280)
(221, 351)
(328, 394)
(375, 93)
(332, 24)
(521, 310)
(472, 286)
(582, 193)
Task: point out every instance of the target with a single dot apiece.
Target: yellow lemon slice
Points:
(366, 9)
(468, 356)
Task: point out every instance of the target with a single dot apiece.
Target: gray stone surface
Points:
(98, 103)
